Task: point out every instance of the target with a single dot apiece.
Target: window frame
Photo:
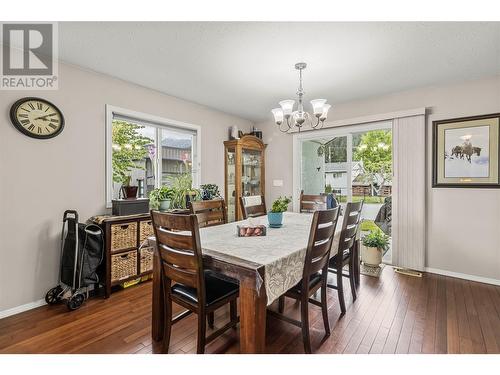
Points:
(156, 121)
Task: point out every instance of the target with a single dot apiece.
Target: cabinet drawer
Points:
(123, 265)
(123, 236)
(145, 230)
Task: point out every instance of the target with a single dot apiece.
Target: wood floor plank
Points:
(393, 313)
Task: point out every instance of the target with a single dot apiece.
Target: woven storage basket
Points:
(145, 230)
(146, 259)
(123, 236)
(123, 265)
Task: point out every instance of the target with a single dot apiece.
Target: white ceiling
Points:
(246, 68)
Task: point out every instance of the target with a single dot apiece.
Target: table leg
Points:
(252, 318)
(158, 314)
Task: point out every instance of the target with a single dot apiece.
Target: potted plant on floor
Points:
(275, 216)
(161, 197)
(375, 244)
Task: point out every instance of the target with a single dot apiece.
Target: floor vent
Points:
(406, 271)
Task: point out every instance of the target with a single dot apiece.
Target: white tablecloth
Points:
(281, 252)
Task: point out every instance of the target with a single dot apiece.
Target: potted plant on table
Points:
(275, 216)
(375, 244)
(161, 197)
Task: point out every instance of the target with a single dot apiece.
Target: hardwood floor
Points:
(393, 314)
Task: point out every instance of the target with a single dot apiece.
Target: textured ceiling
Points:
(246, 68)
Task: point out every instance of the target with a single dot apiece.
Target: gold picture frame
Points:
(466, 152)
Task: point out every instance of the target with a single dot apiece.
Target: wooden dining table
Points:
(265, 268)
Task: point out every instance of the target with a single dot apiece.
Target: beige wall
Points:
(463, 225)
(41, 179)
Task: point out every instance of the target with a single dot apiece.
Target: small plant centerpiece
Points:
(161, 197)
(209, 192)
(275, 216)
(375, 244)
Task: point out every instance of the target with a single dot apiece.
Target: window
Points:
(147, 151)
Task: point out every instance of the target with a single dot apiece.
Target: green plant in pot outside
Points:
(275, 216)
(375, 244)
(160, 198)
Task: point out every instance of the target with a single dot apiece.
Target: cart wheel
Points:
(75, 301)
(53, 295)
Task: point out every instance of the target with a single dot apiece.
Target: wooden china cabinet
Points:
(244, 170)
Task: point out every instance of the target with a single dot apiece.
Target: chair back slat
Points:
(180, 275)
(180, 258)
(253, 211)
(320, 242)
(179, 248)
(209, 213)
(350, 226)
(175, 240)
(311, 203)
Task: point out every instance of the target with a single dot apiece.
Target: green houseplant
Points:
(183, 191)
(161, 197)
(375, 244)
(275, 216)
(209, 192)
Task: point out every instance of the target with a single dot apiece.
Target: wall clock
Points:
(37, 118)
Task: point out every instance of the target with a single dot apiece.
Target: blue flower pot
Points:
(275, 219)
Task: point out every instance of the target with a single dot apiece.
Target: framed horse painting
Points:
(466, 152)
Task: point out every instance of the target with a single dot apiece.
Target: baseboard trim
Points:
(22, 308)
(464, 276)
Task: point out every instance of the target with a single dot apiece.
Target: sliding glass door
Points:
(352, 163)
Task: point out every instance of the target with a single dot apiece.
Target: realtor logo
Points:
(29, 56)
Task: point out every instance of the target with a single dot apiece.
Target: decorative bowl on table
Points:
(251, 230)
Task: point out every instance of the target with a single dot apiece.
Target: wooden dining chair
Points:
(253, 210)
(345, 256)
(311, 203)
(314, 275)
(210, 212)
(185, 282)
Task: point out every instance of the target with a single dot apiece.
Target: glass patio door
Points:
(353, 164)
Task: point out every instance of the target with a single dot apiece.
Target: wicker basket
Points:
(146, 259)
(123, 236)
(145, 230)
(123, 265)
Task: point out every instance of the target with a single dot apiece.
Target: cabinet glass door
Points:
(251, 163)
(231, 184)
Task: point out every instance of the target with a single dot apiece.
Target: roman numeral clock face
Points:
(37, 118)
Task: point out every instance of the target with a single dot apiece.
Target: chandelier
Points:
(296, 119)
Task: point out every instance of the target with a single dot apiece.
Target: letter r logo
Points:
(27, 49)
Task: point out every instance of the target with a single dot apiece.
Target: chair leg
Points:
(340, 291)
(202, 327)
(351, 278)
(324, 309)
(281, 304)
(167, 329)
(304, 310)
(211, 319)
(233, 312)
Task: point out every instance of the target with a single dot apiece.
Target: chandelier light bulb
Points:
(324, 115)
(318, 105)
(287, 107)
(278, 115)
